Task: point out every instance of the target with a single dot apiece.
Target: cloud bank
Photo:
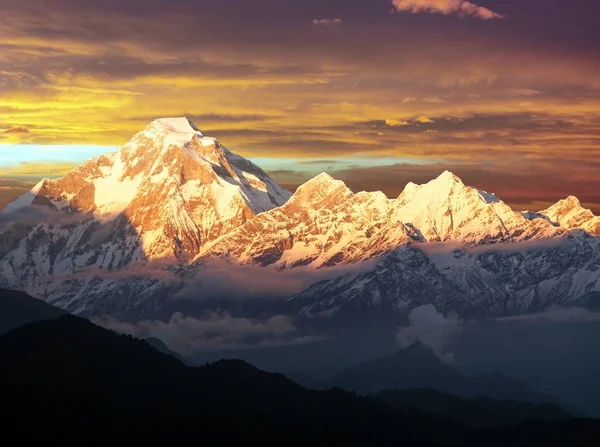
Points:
(217, 278)
(431, 328)
(213, 332)
(446, 7)
(556, 315)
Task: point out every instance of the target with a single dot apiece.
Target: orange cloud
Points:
(446, 7)
(15, 131)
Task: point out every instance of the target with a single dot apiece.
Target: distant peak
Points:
(568, 204)
(319, 187)
(572, 201)
(324, 181)
(323, 177)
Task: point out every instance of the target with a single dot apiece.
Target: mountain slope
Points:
(488, 280)
(160, 346)
(416, 366)
(569, 213)
(168, 191)
(413, 367)
(116, 384)
(18, 308)
(323, 224)
(446, 210)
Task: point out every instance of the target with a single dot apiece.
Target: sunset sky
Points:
(505, 93)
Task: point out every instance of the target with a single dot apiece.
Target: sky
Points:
(505, 93)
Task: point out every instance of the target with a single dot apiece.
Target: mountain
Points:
(445, 209)
(489, 280)
(107, 385)
(72, 351)
(18, 309)
(416, 366)
(413, 367)
(477, 412)
(160, 346)
(164, 195)
(325, 224)
(569, 213)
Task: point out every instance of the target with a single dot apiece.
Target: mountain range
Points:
(107, 385)
(123, 233)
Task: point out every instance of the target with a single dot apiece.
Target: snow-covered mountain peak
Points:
(446, 209)
(569, 202)
(323, 179)
(320, 189)
(167, 192)
(160, 135)
(570, 214)
(447, 178)
(180, 125)
(437, 190)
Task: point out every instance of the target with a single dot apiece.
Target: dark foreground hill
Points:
(478, 412)
(69, 379)
(18, 308)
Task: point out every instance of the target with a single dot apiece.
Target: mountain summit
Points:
(165, 194)
(569, 213)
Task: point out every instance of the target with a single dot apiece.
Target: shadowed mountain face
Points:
(418, 367)
(18, 308)
(104, 383)
(69, 378)
(160, 346)
(413, 367)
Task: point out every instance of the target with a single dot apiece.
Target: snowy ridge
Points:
(569, 213)
(324, 224)
(445, 209)
(495, 280)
